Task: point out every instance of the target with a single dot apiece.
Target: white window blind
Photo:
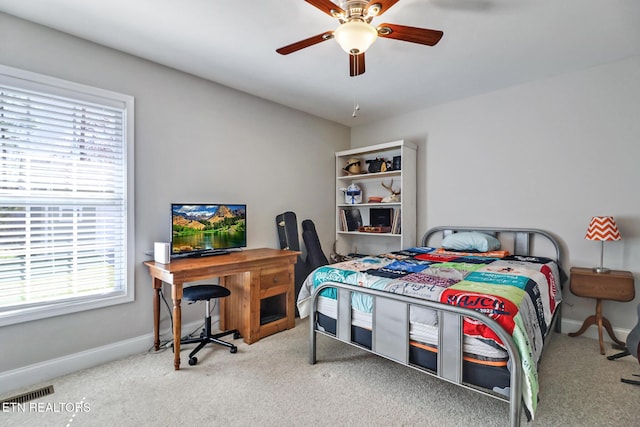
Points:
(63, 197)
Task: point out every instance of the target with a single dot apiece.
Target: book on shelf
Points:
(395, 224)
(350, 219)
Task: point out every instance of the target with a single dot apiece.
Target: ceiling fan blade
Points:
(294, 47)
(382, 4)
(356, 64)
(328, 7)
(410, 34)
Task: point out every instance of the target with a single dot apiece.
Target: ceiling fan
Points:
(355, 34)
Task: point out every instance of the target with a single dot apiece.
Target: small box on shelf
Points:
(374, 229)
(380, 217)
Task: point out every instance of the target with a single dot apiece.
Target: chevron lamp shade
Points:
(602, 228)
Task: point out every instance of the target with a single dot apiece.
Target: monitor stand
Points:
(212, 252)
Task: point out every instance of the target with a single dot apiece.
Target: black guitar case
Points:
(315, 254)
(287, 226)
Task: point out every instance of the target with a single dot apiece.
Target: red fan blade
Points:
(294, 47)
(382, 4)
(327, 6)
(356, 64)
(410, 34)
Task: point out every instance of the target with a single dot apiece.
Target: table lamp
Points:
(602, 228)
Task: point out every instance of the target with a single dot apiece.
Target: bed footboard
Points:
(390, 336)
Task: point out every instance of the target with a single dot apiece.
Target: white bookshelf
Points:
(371, 186)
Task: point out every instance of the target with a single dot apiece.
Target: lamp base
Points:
(601, 270)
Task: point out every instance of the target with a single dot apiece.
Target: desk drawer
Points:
(275, 277)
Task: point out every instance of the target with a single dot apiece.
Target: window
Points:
(66, 171)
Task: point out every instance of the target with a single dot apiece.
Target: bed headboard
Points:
(523, 238)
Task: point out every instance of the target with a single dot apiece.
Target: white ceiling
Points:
(487, 45)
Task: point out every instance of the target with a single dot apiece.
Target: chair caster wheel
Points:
(236, 335)
(193, 361)
(234, 349)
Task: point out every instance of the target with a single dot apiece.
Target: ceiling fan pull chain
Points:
(356, 104)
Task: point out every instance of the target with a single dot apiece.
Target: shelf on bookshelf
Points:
(370, 175)
(348, 205)
(351, 219)
(370, 234)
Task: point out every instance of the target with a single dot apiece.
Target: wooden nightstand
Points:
(615, 285)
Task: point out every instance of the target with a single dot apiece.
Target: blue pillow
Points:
(471, 241)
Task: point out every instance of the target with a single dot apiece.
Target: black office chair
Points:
(207, 293)
(632, 349)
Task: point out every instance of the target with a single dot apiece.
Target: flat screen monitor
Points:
(207, 229)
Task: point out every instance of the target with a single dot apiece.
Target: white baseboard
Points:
(49, 369)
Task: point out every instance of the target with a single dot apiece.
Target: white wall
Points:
(195, 141)
(548, 154)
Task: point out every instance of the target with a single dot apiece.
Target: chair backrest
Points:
(315, 255)
(633, 339)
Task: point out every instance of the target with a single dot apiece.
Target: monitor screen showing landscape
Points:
(198, 228)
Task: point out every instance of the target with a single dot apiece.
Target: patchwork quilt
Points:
(521, 293)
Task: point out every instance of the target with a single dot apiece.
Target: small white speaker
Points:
(161, 253)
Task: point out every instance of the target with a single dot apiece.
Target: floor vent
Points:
(25, 397)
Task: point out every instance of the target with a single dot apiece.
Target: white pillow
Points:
(471, 241)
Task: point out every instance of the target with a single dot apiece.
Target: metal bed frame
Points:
(390, 322)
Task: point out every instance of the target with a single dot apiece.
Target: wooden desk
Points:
(261, 282)
(614, 285)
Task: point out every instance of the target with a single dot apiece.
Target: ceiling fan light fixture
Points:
(355, 36)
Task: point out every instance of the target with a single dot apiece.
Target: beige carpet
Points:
(271, 383)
